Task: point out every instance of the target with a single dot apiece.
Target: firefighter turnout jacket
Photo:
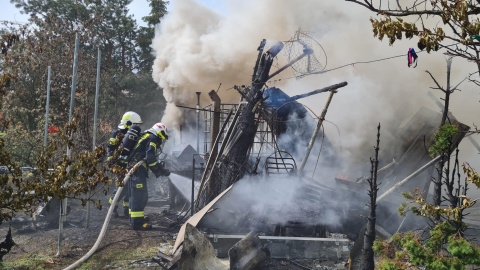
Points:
(114, 142)
(146, 148)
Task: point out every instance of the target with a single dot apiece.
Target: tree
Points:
(455, 27)
(114, 27)
(55, 175)
(459, 17)
(158, 9)
(23, 64)
(368, 255)
(443, 138)
(24, 67)
(48, 40)
(445, 246)
(48, 43)
(442, 147)
(141, 94)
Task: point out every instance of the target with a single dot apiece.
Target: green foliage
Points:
(48, 40)
(34, 261)
(443, 245)
(143, 96)
(410, 249)
(392, 29)
(463, 250)
(443, 140)
(395, 29)
(56, 175)
(388, 265)
(443, 248)
(125, 45)
(145, 34)
(433, 24)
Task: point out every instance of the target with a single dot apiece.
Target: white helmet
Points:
(128, 119)
(160, 130)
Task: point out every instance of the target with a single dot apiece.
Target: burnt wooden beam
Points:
(281, 247)
(198, 252)
(248, 253)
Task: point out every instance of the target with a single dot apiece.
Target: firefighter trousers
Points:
(123, 195)
(138, 199)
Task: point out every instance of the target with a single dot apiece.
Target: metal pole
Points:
(47, 109)
(115, 81)
(95, 116)
(198, 122)
(408, 178)
(63, 203)
(181, 134)
(192, 202)
(97, 90)
(74, 78)
(314, 135)
(215, 123)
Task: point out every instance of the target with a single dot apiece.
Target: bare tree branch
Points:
(438, 85)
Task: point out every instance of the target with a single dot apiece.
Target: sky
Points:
(138, 8)
(9, 12)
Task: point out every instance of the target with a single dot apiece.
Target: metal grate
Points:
(263, 142)
(280, 163)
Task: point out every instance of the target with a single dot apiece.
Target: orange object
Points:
(53, 129)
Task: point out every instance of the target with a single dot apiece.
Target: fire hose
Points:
(107, 219)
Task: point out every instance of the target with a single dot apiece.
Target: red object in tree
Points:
(53, 129)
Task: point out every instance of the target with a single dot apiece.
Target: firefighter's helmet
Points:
(159, 130)
(129, 119)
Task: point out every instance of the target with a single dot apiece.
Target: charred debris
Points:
(262, 191)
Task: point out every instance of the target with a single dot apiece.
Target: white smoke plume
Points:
(197, 48)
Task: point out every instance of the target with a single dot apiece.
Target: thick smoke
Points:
(256, 201)
(197, 49)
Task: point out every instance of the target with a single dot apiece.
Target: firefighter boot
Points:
(144, 227)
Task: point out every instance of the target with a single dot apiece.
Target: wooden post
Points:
(215, 123)
(315, 132)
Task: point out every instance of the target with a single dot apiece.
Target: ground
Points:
(122, 248)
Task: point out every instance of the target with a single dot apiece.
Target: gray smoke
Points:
(196, 49)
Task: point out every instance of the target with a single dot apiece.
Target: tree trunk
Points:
(369, 262)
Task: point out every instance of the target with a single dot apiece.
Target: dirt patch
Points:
(122, 248)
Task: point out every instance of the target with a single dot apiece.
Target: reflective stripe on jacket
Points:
(146, 148)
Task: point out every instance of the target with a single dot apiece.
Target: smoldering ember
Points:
(259, 183)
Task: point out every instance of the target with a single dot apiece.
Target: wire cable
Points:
(355, 63)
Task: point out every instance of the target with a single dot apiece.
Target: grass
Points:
(30, 262)
(106, 259)
(115, 259)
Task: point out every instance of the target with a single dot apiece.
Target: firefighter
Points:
(124, 136)
(146, 149)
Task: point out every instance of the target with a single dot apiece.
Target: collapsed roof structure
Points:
(254, 175)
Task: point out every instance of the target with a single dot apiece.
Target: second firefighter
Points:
(146, 149)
